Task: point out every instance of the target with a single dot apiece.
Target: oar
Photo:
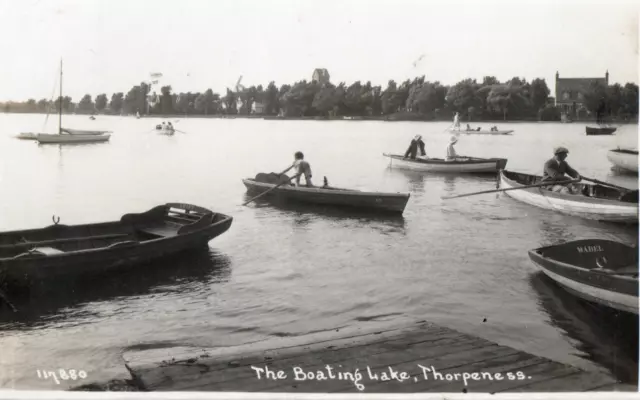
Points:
(267, 191)
(3, 296)
(513, 188)
(608, 184)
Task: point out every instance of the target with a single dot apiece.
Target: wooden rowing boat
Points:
(595, 201)
(599, 271)
(165, 130)
(480, 132)
(50, 138)
(327, 195)
(601, 130)
(59, 250)
(461, 165)
(624, 159)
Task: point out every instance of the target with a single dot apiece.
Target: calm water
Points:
(287, 272)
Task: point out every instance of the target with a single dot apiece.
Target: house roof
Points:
(575, 86)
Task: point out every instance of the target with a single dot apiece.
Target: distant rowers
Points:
(555, 170)
(412, 151)
(302, 168)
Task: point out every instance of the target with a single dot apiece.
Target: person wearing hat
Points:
(456, 121)
(412, 151)
(451, 152)
(555, 170)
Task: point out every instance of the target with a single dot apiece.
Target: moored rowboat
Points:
(599, 271)
(596, 202)
(601, 130)
(68, 138)
(378, 201)
(624, 159)
(60, 249)
(462, 165)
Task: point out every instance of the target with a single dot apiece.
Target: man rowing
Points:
(555, 170)
(412, 151)
(302, 168)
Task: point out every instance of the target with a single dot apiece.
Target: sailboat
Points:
(66, 135)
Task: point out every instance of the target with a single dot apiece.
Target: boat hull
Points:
(481, 132)
(26, 136)
(624, 159)
(472, 165)
(83, 132)
(121, 244)
(71, 138)
(600, 209)
(593, 131)
(589, 282)
(382, 202)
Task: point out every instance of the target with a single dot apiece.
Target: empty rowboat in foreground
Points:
(599, 271)
(60, 249)
(624, 159)
(596, 202)
(332, 196)
(468, 165)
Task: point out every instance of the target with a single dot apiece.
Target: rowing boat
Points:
(327, 195)
(460, 165)
(58, 250)
(599, 271)
(595, 202)
(601, 130)
(165, 130)
(624, 159)
(47, 138)
(480, 132)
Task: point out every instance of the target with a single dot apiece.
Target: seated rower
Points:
(412, 151)
(451, 152)
(302, 168)
(555, 170)
(468, 127)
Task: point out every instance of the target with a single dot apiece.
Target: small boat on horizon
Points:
(479, 131)
(326, 195)
(600, 130)
(595, 270)
(59, 250)
(626, 159)
(461, 165)
(595, 202)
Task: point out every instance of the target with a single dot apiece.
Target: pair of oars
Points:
(541, 185)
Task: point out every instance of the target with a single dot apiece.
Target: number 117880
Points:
(62, 374)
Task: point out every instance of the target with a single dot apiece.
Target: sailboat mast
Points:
(61, 103)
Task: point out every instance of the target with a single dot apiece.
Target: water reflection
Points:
(555, 232)
(415, 179)
(605, 336)
(56, 299)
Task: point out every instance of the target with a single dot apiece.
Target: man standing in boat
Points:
(555, 170)
(456, 121)
(302, 168)
(412, 151)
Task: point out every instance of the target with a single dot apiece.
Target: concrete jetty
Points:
(415, 357)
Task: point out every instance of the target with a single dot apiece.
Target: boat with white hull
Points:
(624, 159)
(48, 138)
(461, 165)
(601, 203)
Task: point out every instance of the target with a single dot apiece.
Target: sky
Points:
(109, 46)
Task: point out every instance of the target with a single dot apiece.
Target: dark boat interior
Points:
(159, 222)
(595, 254)
(586, 189)
(275, 179)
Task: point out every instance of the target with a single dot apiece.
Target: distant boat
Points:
(479, 131)
(600, 130)
(624, 159)
(70, 135)
(598, 271)
(468, 165)
(165, 129)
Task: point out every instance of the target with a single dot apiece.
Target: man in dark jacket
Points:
(555, 170)
(412, 151)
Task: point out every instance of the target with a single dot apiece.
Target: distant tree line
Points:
(490, 99)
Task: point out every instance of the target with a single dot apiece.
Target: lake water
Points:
(288, 272)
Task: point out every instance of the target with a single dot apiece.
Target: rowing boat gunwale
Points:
(320, 189)
(440, 161)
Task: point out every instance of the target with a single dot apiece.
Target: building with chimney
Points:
(570, 92)
(320, 75)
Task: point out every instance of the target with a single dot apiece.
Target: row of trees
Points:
(488, 99)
